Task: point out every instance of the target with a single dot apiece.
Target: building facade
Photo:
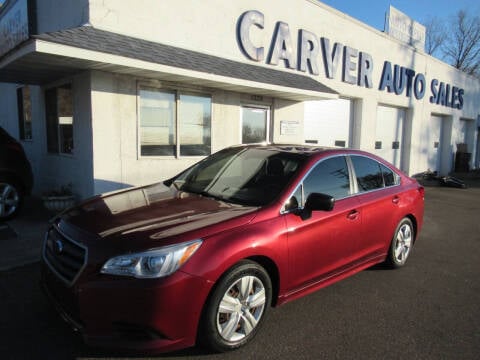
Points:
(105, 95)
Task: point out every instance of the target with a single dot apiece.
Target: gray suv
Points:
(16, 178)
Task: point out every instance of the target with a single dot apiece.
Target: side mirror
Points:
(317, 202)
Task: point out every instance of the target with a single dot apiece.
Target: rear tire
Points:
(236, 307)
(402, 244)
(11, 198)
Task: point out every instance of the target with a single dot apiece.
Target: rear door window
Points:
(369, 173)
(390, 178)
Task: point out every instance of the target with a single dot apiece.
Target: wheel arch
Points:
(273, 272)
(265, 262)
(14, 178)
(413, 219)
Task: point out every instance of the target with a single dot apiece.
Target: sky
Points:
(372, 12)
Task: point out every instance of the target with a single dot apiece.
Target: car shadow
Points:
(381, 266)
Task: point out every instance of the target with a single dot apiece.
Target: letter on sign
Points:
(282, 47)
(365, 70)
(308, 52)
(331, 58)
(248, 19)
(349, 57)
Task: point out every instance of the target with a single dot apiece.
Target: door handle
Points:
(396, 199)
(353, 215)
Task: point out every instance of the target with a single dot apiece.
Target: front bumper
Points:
(154, 315)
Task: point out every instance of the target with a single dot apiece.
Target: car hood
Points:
(154, 212)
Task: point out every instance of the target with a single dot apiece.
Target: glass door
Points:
(255, 124)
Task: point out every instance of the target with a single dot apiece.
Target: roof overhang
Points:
(41, 60)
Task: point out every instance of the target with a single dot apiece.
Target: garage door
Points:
(389, 134)
(433, 142)
(328, 122)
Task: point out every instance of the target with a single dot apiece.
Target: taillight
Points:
(421, 190)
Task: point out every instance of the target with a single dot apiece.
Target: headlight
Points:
(152, 263)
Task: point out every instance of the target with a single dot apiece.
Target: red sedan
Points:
(201, 257)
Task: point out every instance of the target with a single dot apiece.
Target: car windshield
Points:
(247, 176)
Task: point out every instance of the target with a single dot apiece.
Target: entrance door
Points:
(255, 124)
(433, 143)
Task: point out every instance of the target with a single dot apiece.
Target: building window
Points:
(255, 122)
(59, 115)
(173, 123)
(24, 103)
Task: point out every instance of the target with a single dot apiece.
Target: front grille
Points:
(65, 257)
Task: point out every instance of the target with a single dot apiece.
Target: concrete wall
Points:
(56, 170)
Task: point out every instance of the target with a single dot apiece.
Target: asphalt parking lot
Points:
(428, 310)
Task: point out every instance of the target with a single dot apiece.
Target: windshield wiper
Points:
(216, 197)
(200, 192)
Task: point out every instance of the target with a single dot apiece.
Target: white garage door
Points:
(433, 143)
(389, 134)
(328, 122)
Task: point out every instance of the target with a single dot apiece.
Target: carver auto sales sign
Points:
(342, 62)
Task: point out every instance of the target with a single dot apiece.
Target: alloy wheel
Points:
(241, 308)
(403, 243)
(9, 199)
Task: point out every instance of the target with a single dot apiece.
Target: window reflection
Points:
(59, 115)
(194, 119)
(24, 103)
(170, 121)
(329, 177)
(250, 176)
(368, 172)
(254, 125)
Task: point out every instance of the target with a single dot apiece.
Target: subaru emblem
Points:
(58, 247)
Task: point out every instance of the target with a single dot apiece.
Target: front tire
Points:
(236, 308)
(402, 243)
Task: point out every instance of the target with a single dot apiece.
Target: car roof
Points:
(306, 150)
(291, 148)
(317, 152)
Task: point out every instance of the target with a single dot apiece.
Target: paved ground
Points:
(21, 238)
(428, 310)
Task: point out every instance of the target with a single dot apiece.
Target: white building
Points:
(110, 93)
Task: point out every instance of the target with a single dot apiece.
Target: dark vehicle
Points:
(16, 178)
(201, 257)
